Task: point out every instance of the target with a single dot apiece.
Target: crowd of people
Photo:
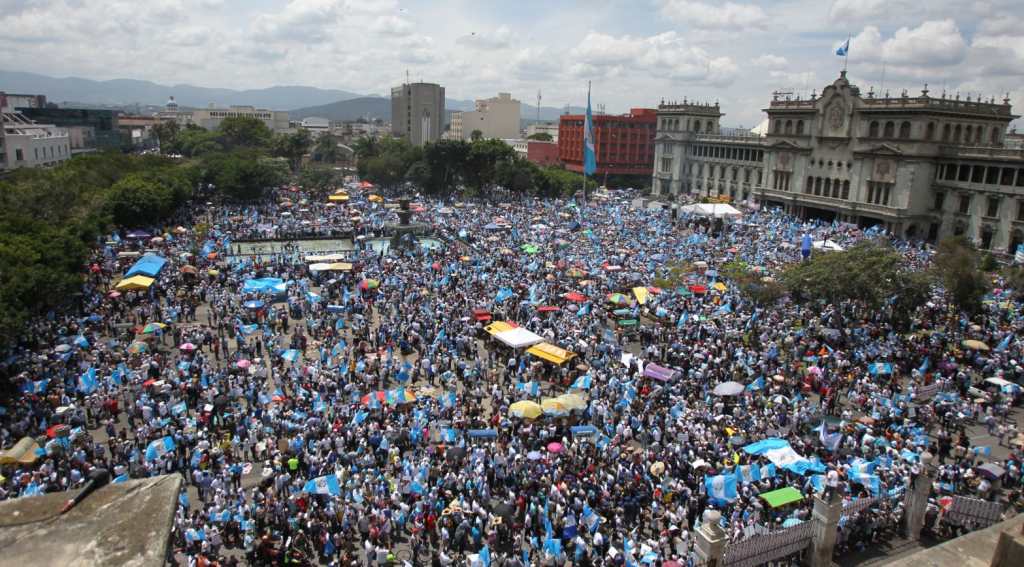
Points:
(367, 413)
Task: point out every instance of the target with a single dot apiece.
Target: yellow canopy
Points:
(719, 286)
(498, 327)
(22, 453)
(551, 353)
(135, 282)
(375, 199)
(526, 409)
(554, 406)
(338, 198)
(572, 401)
(641, 294)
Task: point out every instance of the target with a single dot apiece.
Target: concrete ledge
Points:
(975, 549)
(125, 524)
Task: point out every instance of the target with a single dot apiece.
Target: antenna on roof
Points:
(538, 105)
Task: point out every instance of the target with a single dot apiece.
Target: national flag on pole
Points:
(844, 49)
(721, 487)
(589, 153)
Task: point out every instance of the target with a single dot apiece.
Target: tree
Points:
(292, 147)
(541, 136)
(318, 180)
(326, 149)
(137, 201)
(870, 273)
(476, 136)
(447, 161)
(957, 264)
(242, 175)
(482, 159)
(1013, 277)
(166, 133)
(244, 132)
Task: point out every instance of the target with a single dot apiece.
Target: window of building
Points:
(1016, 239)
(828, 187)
(957, 134)
(709, 127)
(666, 164)
(36, 150)
(986, 237)
(789, 127)
(905, 131)
(809, 186)
(968, 134)
(992, 175)
(746, 176)
(964, 173)
(799, 127)
(947, 132)
(977, 174)
(995, 136)
(1006, 176)
(929, 131)
(1020, 210)
(817, 185)
(836, 188)
(890, 130)
(846, 189)
(940, 200)
(992, 210)
(965, 204)
(873, 130)
(19, 155)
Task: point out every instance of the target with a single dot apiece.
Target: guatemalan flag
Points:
(589, 154)
(721, 487)
(159, 448)
(323, 485)
(843, 48)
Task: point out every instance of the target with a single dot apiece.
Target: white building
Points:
(316, 126)
(520, 145)
(23, 143)
(923, 167)
(549, 128)
(211, 117)
(496, 117)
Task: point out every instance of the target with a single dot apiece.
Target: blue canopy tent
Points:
(148, 265)
(578, 430)
(275, 286)
(482, 433)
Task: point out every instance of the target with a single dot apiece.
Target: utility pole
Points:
(538, 106)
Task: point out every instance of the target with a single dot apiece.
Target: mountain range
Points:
(301, 102)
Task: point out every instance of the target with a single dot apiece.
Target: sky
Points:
(634, 52)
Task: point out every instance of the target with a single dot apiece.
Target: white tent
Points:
(829, 245)
(519, 338)
(718, 210)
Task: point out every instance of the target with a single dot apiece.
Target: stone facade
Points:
(923, 167)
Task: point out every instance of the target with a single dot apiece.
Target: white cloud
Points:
(392, 25)
(417, 49)
(300, 20)
(859, 10)
(932, 44)
(714, 16)
(665, 54)
(498, 39)
(770, 61)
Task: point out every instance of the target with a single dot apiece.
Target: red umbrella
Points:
(697, 288)
(148, 383)
(547, 309)
(555, 447)
(575, 296)
(243, 363)
(51, 432)
(436, 265)
(114, 294)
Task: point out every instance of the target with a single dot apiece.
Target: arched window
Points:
(828, 187)
(947, 132)
(696, 126)
(846, 189)
(995, 136)
(890, 130)
(873, 130)
(836, 186)
(957, 134)
(978, 133)
(969, 134)
(817, 186)
(929, 132)
(789, 127)
(778, 127)
(709, 127)
(799, 127)
(810, 184)
(905, 131)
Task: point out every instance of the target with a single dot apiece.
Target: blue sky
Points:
(635, 52)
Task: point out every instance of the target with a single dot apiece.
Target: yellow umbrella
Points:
(719, 286)
(572, 401)
(135, 282)
(553, 406)
(974, 344)
(526, 409)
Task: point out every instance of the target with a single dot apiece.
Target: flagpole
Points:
(846, 54)
(585, 146)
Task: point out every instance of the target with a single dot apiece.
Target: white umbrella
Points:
(728, 389)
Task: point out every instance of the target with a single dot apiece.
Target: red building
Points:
(542, 153)
(624, 144)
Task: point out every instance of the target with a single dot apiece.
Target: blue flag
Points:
(844, 49)
(589, 152)
(87, 382)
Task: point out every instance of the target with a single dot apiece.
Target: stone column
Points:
(916, 503)
(825, 516)
(711, 539)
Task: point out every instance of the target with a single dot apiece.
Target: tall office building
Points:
(417, 112)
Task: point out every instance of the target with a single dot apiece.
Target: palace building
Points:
(923, 167)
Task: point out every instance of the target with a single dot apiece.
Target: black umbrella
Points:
(505, 510)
